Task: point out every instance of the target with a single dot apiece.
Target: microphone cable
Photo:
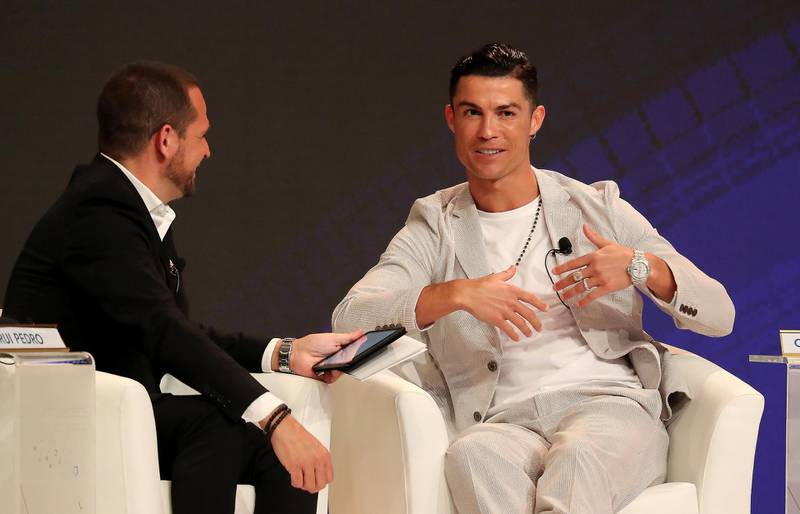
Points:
(565, 248)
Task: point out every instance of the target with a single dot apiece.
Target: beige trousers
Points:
(588, 450)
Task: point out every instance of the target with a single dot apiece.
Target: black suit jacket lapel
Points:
(164, 251)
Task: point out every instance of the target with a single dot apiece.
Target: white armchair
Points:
(389, 440)
(127, 456)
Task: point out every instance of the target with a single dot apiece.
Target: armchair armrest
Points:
(388, 445)
(127, 456)
(309, 400)
(713, 438)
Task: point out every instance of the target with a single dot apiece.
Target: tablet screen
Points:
(359, 346)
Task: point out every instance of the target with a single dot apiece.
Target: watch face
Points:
(639, 270)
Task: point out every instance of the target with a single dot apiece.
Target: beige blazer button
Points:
(477, 416)
(492, 366)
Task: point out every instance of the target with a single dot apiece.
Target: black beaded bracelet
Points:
(276, 419)
(275, 413)
(275, 424)
(279, 419)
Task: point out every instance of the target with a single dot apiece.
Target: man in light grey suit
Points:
(555, 394)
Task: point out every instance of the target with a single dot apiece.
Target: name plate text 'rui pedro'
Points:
(31, 337)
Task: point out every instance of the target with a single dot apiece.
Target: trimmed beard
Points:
(180, 176)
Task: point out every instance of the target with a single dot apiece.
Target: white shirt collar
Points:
(161, 213)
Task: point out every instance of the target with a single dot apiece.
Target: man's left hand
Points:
(311, 349)
(604, 270)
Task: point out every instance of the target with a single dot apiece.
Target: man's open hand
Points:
(493, 300)
(603, 271)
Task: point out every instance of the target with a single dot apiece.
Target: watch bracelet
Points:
(284, 360)
(638, 256)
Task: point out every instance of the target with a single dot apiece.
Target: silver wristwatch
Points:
(639, 268)
(285, 354)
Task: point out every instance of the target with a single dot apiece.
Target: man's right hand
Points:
(303, 456)
(493, 300)
(490, 299)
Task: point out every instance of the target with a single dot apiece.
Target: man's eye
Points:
(471, 112)
(506, 114)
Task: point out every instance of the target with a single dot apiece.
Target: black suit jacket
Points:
(95, 265)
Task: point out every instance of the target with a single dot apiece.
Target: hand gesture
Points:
(598, 273)
(493, 300)
(311, 349)
(303, 456)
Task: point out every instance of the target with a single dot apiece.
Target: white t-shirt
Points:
(558, 356)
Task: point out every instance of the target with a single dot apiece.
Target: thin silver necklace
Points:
(530, 234)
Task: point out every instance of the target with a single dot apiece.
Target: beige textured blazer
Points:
(442, 241)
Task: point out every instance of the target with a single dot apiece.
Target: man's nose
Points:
(487, 129)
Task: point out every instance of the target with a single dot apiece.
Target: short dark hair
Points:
(137, 101)
(497, 60)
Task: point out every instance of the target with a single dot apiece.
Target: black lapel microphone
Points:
(564, 248)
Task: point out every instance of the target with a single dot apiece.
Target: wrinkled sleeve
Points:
(388, 293)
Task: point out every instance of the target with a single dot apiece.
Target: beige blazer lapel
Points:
(469, 247)
(471, 254)
(562, 217)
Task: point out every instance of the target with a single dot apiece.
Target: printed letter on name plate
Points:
(790, 343)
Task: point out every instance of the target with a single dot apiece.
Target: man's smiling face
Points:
(492, 121)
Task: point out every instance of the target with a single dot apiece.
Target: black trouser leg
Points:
(200, 450)
(205, 454)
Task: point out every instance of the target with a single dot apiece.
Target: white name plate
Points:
(16, 337)
(790, 343)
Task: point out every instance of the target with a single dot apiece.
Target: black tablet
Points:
(359, 350)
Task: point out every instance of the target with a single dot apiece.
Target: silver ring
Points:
(586, 284)
(577, 276)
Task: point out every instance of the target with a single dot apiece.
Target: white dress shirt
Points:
(163, 216)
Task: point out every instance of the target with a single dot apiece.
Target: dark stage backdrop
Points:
(327, 124)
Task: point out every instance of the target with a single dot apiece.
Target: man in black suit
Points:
(101, 264)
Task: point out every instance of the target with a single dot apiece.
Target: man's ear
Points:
(450, 116)
(165, 141)
(537, 118)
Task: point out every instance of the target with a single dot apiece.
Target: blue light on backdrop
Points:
(713, 164)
